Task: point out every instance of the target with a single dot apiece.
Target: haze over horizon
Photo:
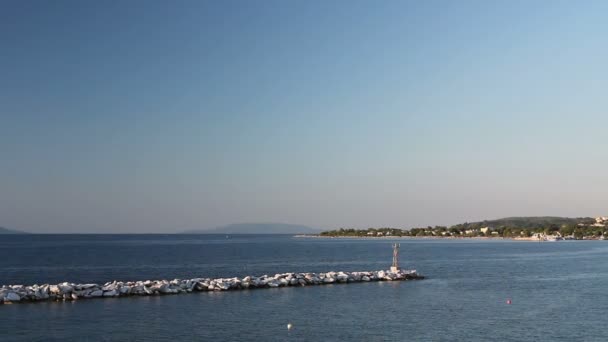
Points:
(152, 116)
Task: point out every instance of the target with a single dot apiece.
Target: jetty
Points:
(65, 291)
(70, 291)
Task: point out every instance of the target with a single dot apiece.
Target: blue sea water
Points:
(559, 291)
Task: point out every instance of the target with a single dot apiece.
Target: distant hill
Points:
(526, 222)
(10, 231)
(257, 228)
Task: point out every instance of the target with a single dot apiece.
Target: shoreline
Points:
(402, 237)
(520, 239)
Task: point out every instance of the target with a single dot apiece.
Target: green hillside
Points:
(531, 222)
(579, 227)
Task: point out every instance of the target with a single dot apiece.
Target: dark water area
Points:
(559, 290)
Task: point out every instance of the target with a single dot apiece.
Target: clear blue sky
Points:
(160, 116)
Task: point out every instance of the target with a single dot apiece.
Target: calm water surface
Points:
(559, 290)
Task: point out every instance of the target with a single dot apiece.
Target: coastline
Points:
(401, 237)
(519, 239)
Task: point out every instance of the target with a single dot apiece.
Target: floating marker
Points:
(289, 326)
(508, 301)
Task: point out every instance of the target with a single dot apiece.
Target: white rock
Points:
(111, 293)
(12, 297)
(223, 286)
(110, 287)
(65, 288)
(97, 293)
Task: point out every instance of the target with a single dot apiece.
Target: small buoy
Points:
(289, 326)
(508, 301)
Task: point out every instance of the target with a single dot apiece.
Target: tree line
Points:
(577, 230)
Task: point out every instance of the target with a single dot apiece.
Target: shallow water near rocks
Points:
(558, 290)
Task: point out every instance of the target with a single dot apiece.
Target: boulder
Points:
(261, 283)
(328, 280)
(342, 278)
(164, 288)
(65, 288)
(111, 293)
(110, 287)
(12, 297)
(97, 293)
(223, 286)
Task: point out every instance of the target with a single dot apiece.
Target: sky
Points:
(162, 116)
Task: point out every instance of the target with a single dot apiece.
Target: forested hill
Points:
(532, 222)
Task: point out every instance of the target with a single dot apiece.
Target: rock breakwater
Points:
(69, 291)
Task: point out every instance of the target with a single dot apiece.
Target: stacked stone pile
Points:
(70, 291)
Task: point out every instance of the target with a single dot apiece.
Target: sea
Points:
(475, 290)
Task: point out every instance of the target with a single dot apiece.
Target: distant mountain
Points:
(10, 231)
(257, 228)
(527, 222)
